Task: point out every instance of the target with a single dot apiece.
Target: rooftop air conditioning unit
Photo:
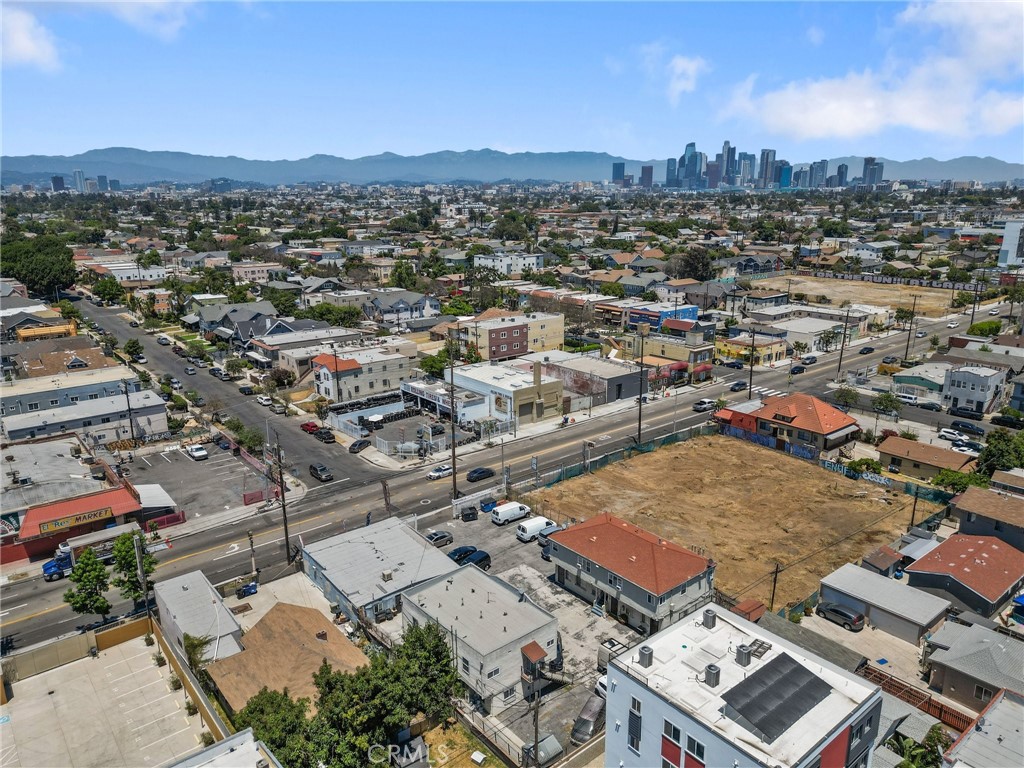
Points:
(387, 575)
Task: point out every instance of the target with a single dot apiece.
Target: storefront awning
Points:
(703, 368)
(64, 516)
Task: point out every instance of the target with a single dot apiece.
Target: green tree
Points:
(195, 647)
(431, 680)
(89, 576)
(904, 315)
(985, 328)
(697, 264)
(1002, 451)
(886, 402)
(648, 296)
(125, 567)
(234, 366)
(323, 409)
(457, 306)
(108, 341)
(69, 311)
(435, 365)
(613, 289)
(341, 317)
(963, 298)
(195, 348)
(958, 482)
(847, 396)
(279, 722)
(799, 348)
(132, 347)
(828, 339)
(283, 301)
(403, 275)
(108, 289)
(44, 264)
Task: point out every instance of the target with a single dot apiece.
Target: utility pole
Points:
(536, 720)
(750, 381)
(913, 510)
(128, 401)
(640, 329)
(252, 554)
(974, 306)
(387, 497)
(282, 489)
(140, 551)
(842, 347)
(910, 327)
(451, 406)
(775, 582)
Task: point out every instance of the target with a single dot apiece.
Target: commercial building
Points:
(512, 394)
(189, 605)
(721, 691)
(103, 420)
(77, 383)
(816, 335)
(602, 379)
(657, 313)
(764, 349)
(364, 572)
(487, 624)
(632, 574)
(976, 387)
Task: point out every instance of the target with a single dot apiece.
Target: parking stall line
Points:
(183, 730)
(139, 688)
(156, 720)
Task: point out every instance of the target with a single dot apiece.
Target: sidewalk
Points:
(21, 570)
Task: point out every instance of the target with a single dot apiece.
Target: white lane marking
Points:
(13, 609)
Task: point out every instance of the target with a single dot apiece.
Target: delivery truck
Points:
(100, 542)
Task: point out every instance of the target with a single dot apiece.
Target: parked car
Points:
(437, 473)
(321, 473)
(846, 617)
(263, 400)
(590, 721)
(738, 386)
(865, 350)
(890, 359)
(325, 436)
(967, 428)
(1008, 421)
(461, 553)
(921, 334)
(135, 323)
(966, 413)
(529, 529)
(993, 312)
(223, 443)
(245, 389)
(951, 434)
(179, 351)
(278, 408)
(808, 359)
(797, 369)
(704, 404)
(190, 371)
(601, 686)
(972, 445)
(309, 427)
(480, 559)
(964, 450)
(542, 537)
(163, 341)
(359, 445)
(929, 405)
(734, 364)
(545, 553)
(478, 474)
(952, 324)
(197, 452)
(440, 538)
(435, 430)
(141, 359)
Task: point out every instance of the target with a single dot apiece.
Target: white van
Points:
(508, 512)
(903, 397)
(529, 529)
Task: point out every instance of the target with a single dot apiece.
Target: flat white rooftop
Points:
(777, 707)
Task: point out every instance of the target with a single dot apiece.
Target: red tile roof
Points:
(674, 324)
(983, 564)
(631, 552)
(804, 412)
(119, 500)
(335, 364)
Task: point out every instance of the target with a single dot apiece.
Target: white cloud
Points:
(613, 65)
(950, 89)
(679, 73)
(816, 35)
(26, 42)
(160, 18)
(683, 73)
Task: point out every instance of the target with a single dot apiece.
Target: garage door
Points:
(832, 595)
(893, 624)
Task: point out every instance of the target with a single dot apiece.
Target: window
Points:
(650, 599)
(509, 694)
(896, 461)
(695, 748)
(105, 420)
(465, 665)
(87, 423)
(94, 396)
(615, 581)
(672, 733)
(493, 673)
(515, 333)
(550, 643)
(661, 600)
(982, 693)
(54, 403)
(504, 334)
(635, 705)
(802, 435)
(387, 382)
(371, 385)
(504, 347)
(635, 727)
(33, 406)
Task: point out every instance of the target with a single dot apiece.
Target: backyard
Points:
(745, 506)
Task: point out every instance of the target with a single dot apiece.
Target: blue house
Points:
(658, 313)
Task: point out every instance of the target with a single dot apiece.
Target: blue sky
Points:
(272, 80)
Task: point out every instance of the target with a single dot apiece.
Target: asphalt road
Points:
(33, 610)
(300, 449)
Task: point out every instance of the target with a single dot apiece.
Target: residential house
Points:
(222, 318)
(392, 305)
(509, 336)
(977, 573)
(747, 266)
(255, 271)
(741, 301)
(508, 262)
(971, 664)
(795, 420)
(670, 290)
(161, 299)
(189, 605)
(632, 574)
(920, 460)
(354, 373)
(364, 572)
(924, 380)
(270, 349)
(488, 637)
(24, 326)
(996, 512)
(721, 691)
(367, 248)
(976, 387)
(994, 738)
(11, 287)
(19, 359)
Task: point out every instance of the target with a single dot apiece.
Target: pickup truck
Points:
(100, 542)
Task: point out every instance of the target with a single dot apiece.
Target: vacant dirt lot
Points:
(932, 302)
(747, 507)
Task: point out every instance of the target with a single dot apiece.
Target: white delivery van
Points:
(903, 397)
(528, 529)
(509, 512)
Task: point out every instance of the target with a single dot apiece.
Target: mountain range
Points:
(137, 166)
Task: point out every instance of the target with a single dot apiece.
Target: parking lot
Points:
(405, 432)
(521, 565)
(212, 484)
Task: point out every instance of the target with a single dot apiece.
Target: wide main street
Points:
(34, 611)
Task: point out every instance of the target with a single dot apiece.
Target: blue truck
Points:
(100, 542)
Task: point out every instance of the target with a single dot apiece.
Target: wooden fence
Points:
(954, 718)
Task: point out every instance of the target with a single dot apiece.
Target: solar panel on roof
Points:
(773, 699)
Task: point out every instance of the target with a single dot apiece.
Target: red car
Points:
(309, 427)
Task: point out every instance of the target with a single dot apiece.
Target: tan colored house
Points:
(920, 460)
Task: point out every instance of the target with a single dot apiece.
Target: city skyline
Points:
(857, 79)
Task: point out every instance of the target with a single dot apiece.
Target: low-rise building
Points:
(392, 305)
(971, 664)
(998, 512)
(925, 380)
(602, 379)
(189, 605)
(254, 271)
(509, 263)
(353, 373)
(103, 420)
(60, 390)
(979, 573)
(975, 387)
(815, 334)
(510, 336)
(796, 419)
(512, 394)
(721, 691)
(633, 574)
(657, 313)
(994, 738)
(765, 350)
(920, 460)
(487, 636)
